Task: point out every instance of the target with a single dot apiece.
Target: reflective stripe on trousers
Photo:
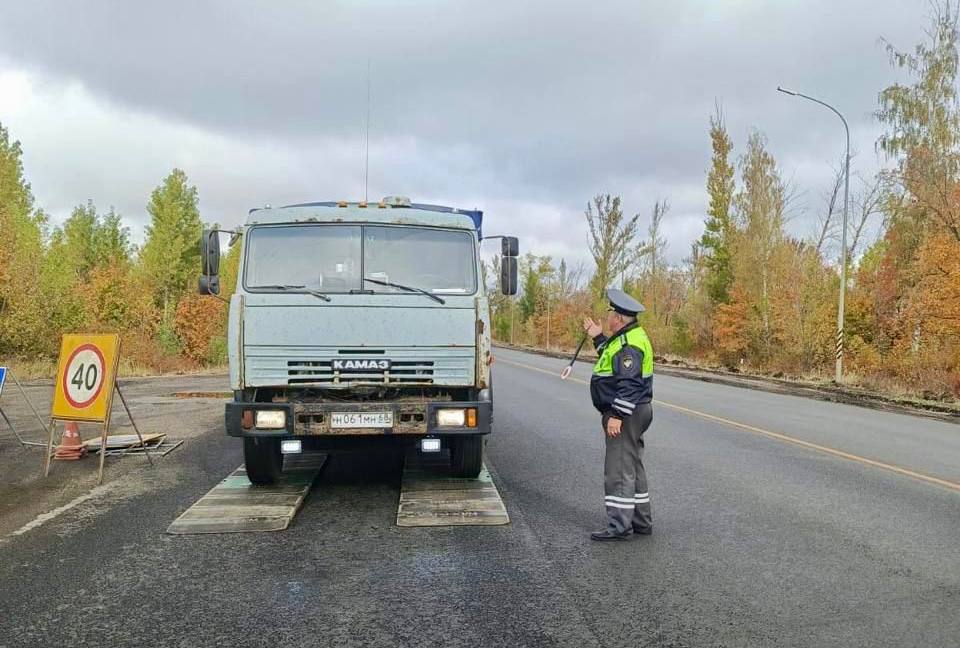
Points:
(626, 497)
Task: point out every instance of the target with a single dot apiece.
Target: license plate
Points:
(361, 420)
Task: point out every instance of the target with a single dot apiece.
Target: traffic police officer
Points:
(622, 390)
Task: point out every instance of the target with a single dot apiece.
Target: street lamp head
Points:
(785, 91)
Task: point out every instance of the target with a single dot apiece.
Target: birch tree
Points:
(611, 241)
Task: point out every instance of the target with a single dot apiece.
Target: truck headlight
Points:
(457, 417)
(271, 419)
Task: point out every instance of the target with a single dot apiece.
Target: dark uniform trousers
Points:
(624, 478)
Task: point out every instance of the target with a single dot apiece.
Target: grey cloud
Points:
(534, 101)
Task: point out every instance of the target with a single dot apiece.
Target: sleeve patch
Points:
(629, 362)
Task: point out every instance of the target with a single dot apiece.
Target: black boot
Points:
(607, 534)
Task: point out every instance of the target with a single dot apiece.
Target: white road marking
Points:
(930, 479)
(50, 515)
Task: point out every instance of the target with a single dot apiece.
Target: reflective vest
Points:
(635, 337)
(623, 376)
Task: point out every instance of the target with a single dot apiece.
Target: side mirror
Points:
(508, 274)
(210, 253)
(209, 285)
(209, 263)
(509, 246)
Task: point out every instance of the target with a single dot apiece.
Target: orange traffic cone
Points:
(71, 447)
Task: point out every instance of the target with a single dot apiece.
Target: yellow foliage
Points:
(198, 320)
(730, 322)
(117, 300)
(937, 301)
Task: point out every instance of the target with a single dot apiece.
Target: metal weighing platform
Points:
(235, 505)
(428, 498)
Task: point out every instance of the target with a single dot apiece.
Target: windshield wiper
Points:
(315, 293)
(407, 288)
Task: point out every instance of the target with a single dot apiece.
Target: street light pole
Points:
(843, 234)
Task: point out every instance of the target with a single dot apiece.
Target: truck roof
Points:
(393, 211)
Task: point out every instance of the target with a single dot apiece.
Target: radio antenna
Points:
(366, 156)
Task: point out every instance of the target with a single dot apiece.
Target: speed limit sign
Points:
(85, 377)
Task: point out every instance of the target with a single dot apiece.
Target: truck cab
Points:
(359, 324)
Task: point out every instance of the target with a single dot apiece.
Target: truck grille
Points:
(411, 372)
(272, 366)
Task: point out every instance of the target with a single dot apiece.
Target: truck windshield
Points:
(336, 258)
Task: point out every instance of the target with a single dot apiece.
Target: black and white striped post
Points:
(843, 232)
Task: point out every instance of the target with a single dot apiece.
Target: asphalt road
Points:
(758, 541)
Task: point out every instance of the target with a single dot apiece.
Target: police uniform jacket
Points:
(623, 375)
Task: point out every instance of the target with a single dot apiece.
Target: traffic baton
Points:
(569, 368)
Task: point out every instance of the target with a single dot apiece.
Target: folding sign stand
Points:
(4, 372)
(13, 429)
(83, 392)
(146, 451)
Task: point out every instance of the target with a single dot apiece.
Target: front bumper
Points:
(313, 419)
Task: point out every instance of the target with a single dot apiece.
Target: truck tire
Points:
(262, 459)
(466, 456)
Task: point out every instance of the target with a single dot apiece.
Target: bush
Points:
(217, 351)
(198, 321)
(682, 340)
(167, 339)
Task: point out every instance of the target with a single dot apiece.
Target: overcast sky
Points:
(522, 109)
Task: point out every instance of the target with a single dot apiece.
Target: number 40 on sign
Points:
(85, 377)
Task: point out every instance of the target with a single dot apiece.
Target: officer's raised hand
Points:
(592, 328)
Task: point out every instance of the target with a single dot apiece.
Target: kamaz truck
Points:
(359, 324)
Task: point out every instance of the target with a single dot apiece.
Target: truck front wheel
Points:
(262, 459)
(466, 456)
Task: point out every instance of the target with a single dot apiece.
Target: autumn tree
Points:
(611, 240)
(112, 240)
(923, 120)
(87, 240)
(731, 334)
(115, 299)
(537, 272)
(500, 304)
(915, 276)
(568, 279)
(760, 208)
(24, 326)
(230, 267)
(828, 224)
(718, 230)
(866, 203)
(570, 304)
(73, 244)
(170, 257)
(655, 257)
(802, 307)
(198, 323)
